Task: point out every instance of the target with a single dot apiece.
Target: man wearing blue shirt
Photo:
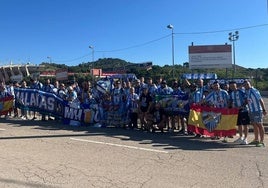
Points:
(35, 84)
(238, 100)
(218, 97)
(164, 89)
(256, 112)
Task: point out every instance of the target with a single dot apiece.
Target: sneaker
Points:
(225, 140)
(244, 142)
(181, 131)
(239, 140)
(190, 133)
(215, 138)
(260, 144)
(254, 142)
(152, 130)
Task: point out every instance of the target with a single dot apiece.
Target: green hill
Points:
(258, 76)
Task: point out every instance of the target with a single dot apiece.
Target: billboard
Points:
(210, 56)
(146, 65)
(96, 72)
(61, 74)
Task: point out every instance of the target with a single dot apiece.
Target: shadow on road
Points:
(168, 141)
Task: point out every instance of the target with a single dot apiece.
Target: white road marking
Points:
(2, 129)
(118, 145)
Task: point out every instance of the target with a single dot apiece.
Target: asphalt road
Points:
(46, 154)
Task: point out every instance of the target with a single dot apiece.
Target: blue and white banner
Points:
(199, 76)
(174, 104)
(49, 104)
(103, 112)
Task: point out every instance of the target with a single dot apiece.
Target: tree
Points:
(114, 64)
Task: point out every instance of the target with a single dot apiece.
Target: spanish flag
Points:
(6, 105)
(212, 121)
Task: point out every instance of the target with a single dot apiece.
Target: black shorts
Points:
(144, 109)
(243, 118)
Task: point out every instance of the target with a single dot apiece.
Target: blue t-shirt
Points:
(218, 99)
(238, 99)
(253, 100)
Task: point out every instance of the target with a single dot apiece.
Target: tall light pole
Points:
(234, 37)
(92, 53)
(172, 36)
(50, 59)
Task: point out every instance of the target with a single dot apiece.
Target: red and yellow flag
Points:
(212, 121)
(6, 105)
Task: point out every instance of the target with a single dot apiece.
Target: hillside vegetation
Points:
(259, 77)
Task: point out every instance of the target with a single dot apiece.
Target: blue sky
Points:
(133, 30)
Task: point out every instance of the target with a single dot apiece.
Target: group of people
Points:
(140, 108)
(250, 104)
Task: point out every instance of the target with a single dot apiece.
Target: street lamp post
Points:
(50, 59)
(172, 36)
(234, 37)
(92, 53)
